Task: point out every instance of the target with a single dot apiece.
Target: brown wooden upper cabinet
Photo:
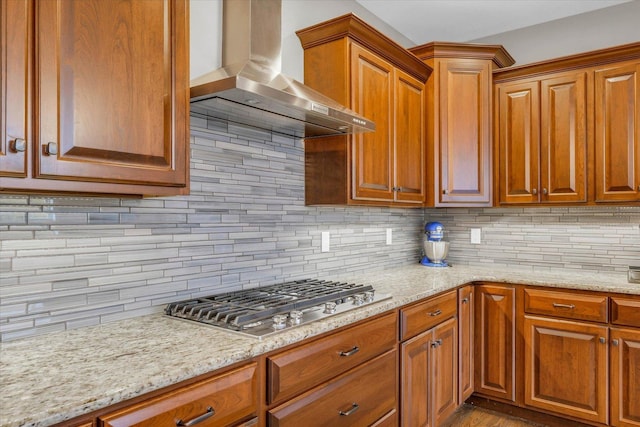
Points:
(107, 111)
(459, 94)
(567, 129)
(351, 62)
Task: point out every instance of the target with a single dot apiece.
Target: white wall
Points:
(206, 30)
(599, 29)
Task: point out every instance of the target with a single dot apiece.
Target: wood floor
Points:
(473, 416)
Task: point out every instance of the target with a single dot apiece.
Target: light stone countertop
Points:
(48, 379)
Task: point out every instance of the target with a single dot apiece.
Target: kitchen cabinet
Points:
(363, 396)
(566, 367)
(429, 361)
(495, 341)
(567, 130)
(222, 400)
(459, 123)
(106, 109)
(625, 377)
(465, 344)
(356, 65)
(617, 132)
(542, 139)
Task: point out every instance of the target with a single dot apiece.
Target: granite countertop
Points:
(48, 379)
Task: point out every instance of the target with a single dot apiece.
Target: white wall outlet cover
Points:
(476, 235)
(389, 236)
(325, 242)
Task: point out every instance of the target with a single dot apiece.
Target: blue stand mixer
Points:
(435, 249)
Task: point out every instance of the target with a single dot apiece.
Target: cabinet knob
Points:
(18, 145)
(603, 340)
(51, 148)
(445, 191)
(534, 191)
(615, 342)
(465, 300)
(544, 191)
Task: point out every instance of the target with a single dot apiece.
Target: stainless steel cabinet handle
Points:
(569, 306)
(534, 191)
(438, 312)
(615, 342)
(603, 340)
(351, 352)
(210, 413)
(544, 191)
(18, 145)
(354, 408)
(51, 149)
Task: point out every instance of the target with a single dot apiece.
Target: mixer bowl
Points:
(436, 252)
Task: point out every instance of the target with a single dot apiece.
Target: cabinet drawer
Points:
(625, 311)
(566, 304)
(358, 398)
(424, 315)
(229, 398)
(304, 367)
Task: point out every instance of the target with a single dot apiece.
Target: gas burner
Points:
(267, 310)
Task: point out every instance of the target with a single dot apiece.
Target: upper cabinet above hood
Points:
(249, 88)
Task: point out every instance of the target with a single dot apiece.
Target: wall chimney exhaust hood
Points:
(249, 88)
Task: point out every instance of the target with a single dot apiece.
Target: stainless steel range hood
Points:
(249, 89)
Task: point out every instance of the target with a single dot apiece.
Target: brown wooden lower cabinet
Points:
(222, 400)
(465, 345)
(625, 377)
(361, 396)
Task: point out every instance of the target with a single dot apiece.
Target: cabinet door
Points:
(617, 133)
(409, 117)
(495, 330)
(518, 142)
(465, 144)
(372, 97)
(15, 62)
(465, 349)
(625, 377)
(112, 80)
(444, 371)
(563, 140)
(415, 380)
(566, 367)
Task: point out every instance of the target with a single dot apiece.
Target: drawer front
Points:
(425, 315)
(304, 367)
(217, 401)
(625, 311)
(566, 304)
(358, 398)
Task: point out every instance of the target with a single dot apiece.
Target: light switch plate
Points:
(476, 235)
(325, 242)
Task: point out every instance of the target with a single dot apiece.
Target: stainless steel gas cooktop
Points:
(267, 310)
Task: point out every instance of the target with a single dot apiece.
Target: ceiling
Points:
(422, 21)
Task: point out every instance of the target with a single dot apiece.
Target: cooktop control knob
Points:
(358, 299)
(279, 321)
(368, 296)
(329, 307)
(295, 317)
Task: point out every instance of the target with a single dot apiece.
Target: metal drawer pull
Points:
(569, 306)
(436, 343)
(438, 312)
(351, 352)
(210, 413)
(354, 408)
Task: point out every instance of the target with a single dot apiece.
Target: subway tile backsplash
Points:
(70, 262)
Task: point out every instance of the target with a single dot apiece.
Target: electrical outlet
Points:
(325, 242)
(389, 236)
(476, 235)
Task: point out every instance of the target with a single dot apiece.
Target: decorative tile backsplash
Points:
(69, 262)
